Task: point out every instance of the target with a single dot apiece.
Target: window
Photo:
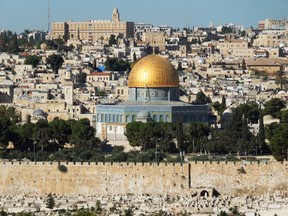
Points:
(155, 118)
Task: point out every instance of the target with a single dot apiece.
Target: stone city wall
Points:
(142, 178)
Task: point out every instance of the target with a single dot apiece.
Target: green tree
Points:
(261, 144)
(55, 61)
(146, 135)
(180, 136)
(243, 142)
(140, 134)
(217, 106)
(243, 65)
(280, 79)
(223, 105)
(41, 134)
(251, 110)
(284, 116)
(33, 60)
(60, 131)
(201, 98)
(25, 140)
(116, 64)
(98, 207)
(83, 135)
(179, 68)
(112, 40)
(13, 46)
(50, 201)
(134, 57)
(8, 120)
(279, 142)
(197, 132)
(274, 106)
(226, 30)
(128, 212)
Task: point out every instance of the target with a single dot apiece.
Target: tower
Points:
(115, 15)
(68, 94)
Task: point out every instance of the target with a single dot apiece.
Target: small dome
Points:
(38, 112)
(267, 118)
(143, 114)
(282, 44)
(201, 61)
(281, 92)
(228, 111)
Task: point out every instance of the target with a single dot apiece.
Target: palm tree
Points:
(280, 79)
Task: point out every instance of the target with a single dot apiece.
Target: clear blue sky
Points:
(17, 15)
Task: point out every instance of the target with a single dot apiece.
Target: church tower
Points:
(115, 15)
(68, 93)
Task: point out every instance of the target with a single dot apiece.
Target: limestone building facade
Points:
(93, 30)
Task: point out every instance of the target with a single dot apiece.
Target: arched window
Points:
(155, 118)
(167, 118)
(161, 119)
(122, 91)
(133, 118)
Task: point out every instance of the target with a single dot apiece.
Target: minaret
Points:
(115, 15)
(68, 93)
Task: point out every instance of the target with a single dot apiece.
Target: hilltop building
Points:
(272, 24)
(153, 95)
(93, 30)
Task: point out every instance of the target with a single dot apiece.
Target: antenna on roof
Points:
(48, 15)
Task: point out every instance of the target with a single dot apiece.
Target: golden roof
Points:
(153, 71)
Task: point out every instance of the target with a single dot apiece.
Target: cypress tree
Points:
(261, 135)
(180, 135)
(50, 201)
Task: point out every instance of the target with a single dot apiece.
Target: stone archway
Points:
(204, 193)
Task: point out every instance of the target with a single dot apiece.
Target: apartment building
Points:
(270, 40)
(236, 48)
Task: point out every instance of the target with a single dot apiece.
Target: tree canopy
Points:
(112, 40)
(201, 98)
(33, 60)
(117, 64)
(279, 142)
(147, 135)
(55, 61)
(274, 106)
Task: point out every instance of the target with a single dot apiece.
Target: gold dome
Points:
(153, 71)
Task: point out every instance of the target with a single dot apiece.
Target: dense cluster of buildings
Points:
(162, 87)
